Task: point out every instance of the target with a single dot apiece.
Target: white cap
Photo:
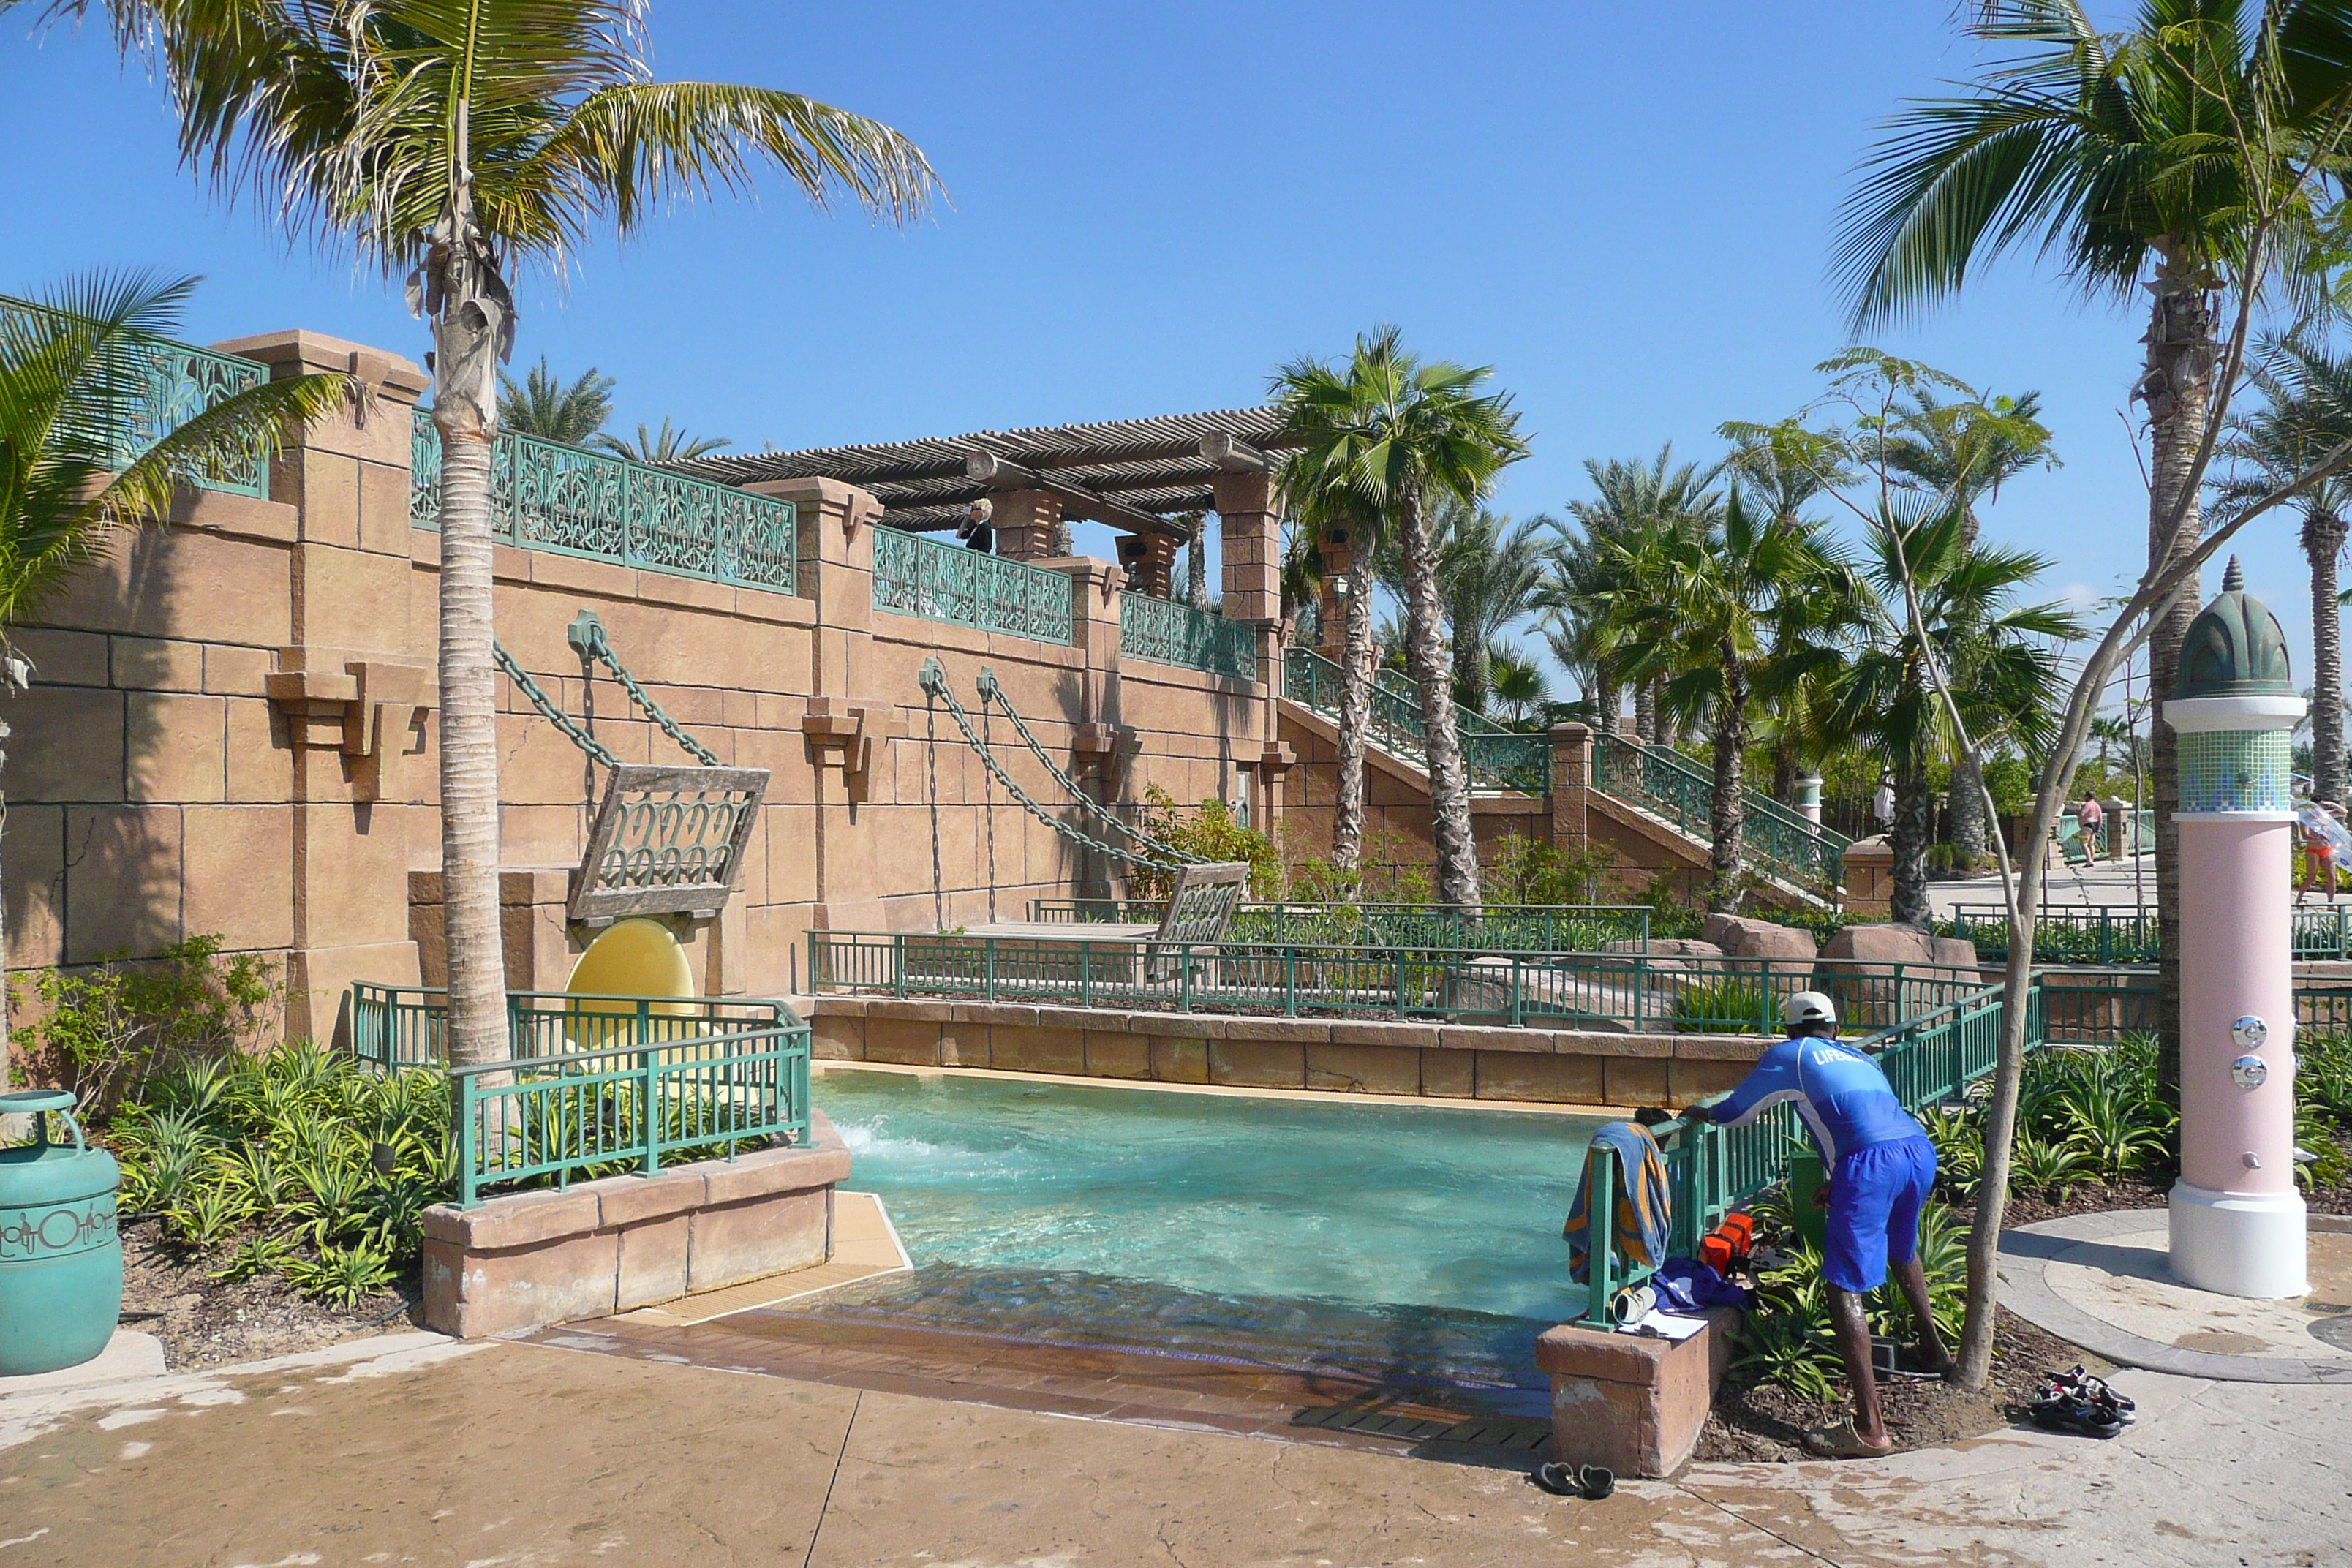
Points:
(1808, 1007)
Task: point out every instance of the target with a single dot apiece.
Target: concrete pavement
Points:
(410, 1449)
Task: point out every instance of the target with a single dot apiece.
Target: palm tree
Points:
(2306, 410)
(1704, 622)
(1631, 499)
(1324, 505)
(1520, 692)
(66, 485)
(543, 407)
(1491, 572)
(1994, 653)
(1196, 559)
(1403, 434)
(452, 140)
(666, 445)
(2181, 151)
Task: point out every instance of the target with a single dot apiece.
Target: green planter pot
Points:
(1805, 1179)
(61, 1259)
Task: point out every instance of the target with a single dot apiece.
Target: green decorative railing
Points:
(917, 576)
(2128, 936)
(1505, 927)
(547, 496)
(1634, 990)
(1165, 632)
(1498, 758)
(1667, 784)
(601, 1084)
(152, 387)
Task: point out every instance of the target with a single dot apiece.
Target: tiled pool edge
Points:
(1405, 1060)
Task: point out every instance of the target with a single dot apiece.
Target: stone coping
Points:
(1303, 1031)
(823, 1068)
(2088, 1241)
(523, 1219)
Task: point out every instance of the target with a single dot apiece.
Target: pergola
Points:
(1137, 476)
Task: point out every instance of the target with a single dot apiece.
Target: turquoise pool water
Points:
(1393, 1240)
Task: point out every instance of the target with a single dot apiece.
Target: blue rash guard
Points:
(1840, 1092)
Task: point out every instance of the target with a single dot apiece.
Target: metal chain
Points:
(935, 682)
(587, 635)
(990, 688)
(554, 715)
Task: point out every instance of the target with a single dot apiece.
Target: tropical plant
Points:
(1329, 511)
(2306, 409)
(67, 485)
(1518, 693)
(1491, 572)
(1994, 652)
(1635, 505)
(1400, 435)
(2187, 155)
(663, 446)
(1706, 605)
(1210, 833)
(111, 1027)
(452, 140)
(543, 407)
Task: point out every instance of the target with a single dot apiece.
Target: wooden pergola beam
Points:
(1003, 474)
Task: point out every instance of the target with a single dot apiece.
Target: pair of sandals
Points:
(2083, 1403)
(1844, 1441)
(1590, 1482)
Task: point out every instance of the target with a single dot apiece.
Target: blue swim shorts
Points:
(1876, 1197)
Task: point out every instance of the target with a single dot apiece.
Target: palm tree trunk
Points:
(2177, 387)
(1449, 782)
(1914, 808)
(1471, 675)
(1784, 772)
(1196, 565)
(2323, 543)
(1355, 720)
(466, 334)
(1608, 703)
(1966, 811)
(1727, 811)
(1646, 712)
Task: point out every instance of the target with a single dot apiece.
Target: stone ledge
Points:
(1629, 1402)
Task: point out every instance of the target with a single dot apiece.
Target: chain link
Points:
(935, 683)
(554, 715)
(991, 689)
(588, 637)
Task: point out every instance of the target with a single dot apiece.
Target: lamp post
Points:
(2237, 1222)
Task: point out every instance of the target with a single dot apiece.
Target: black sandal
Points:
(1590, 1482)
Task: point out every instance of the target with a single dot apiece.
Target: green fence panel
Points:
(1496, 758)
(1163, 632)
(919, 576)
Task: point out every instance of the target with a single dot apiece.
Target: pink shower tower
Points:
(2237, 1221)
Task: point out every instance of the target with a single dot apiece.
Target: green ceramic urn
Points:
(60, 1260)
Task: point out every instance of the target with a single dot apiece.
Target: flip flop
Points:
(1843, 1442)
(1595, 1482)
(1560, 1481)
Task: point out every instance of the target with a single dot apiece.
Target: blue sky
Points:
(1624, 210)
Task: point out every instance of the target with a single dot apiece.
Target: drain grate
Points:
(1484, 1431)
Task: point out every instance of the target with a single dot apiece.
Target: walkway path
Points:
(410, 1449)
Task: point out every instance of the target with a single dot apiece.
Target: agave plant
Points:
(343, 1277)
(207, 1213)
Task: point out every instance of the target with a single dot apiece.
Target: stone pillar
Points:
(836, 572)
(1149, 560)
(1025, 523)
(1572, 776)
(1870, 876)
(1250, 528)
(1101, 739)
(1338, 560)
(351, 695)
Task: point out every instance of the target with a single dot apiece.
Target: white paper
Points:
(1666, 1325)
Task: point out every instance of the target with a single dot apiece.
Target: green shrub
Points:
(1209, 832)
(1724, 1005)
(1788, 1339)
(113, 1027)
(1528, 870)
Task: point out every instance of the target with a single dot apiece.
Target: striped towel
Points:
(1644, 1200)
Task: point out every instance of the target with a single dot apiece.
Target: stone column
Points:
(844, 724)
(1809, 798)
(1149, 560)
(1250, 530)
(1101, 742)
(1025, 522)
(1571, 775)
(350, 693)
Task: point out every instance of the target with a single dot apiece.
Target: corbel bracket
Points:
(358, 706)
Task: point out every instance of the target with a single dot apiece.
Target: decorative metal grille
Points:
(1165, 632)
(548, 496)
(152, 387)
(915, 576)
(667, 841)
(1498, 758)
(2236, 770)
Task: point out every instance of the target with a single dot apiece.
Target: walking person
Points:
(1882, 1168)
(2319, 851)
(2092, 817)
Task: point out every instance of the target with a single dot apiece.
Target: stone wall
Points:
(231, 732)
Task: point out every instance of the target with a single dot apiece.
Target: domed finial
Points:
(2232, 580)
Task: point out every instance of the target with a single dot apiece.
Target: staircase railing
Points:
(1498, 758)
(1667, 784)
